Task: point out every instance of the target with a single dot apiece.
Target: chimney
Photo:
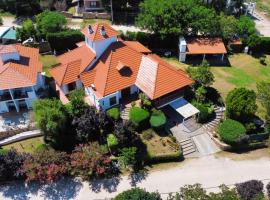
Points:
(90, 30)
(102, 31)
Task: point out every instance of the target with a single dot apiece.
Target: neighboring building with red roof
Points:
(20, 77)
(112, 70)
(201, 46)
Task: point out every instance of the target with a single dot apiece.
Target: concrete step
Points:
(187, 146)
(189, 152)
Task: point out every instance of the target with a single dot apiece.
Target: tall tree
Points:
(177, 17)
(50, 22)
(241, 104)
(26, 31)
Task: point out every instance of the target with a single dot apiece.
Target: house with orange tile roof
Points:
(20, 77)
(201, 46)
(113, 71)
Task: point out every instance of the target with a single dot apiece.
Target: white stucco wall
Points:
(105, 101)
(98, 47)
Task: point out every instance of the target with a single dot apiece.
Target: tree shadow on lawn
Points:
(110, 184)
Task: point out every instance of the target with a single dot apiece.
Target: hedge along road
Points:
(209, 171)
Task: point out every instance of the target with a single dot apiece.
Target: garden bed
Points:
(160, 148)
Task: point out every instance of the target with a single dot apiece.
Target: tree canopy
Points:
(137, 194)
(26, 31)
(177, 17)
(50, 22)
(241, 104)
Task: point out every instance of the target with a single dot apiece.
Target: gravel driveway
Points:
(209, 171)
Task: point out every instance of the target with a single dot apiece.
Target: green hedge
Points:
(158, 119)
(114, 113)
(152, 40)
(165, 158)
(231, 131)
(139, 117)
(65, 39)
(206, 111)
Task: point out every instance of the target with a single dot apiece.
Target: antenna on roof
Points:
(102, 31)
(90, 30)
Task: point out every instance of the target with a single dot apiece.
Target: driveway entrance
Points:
(195, 142)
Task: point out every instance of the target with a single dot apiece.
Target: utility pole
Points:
(112, 10)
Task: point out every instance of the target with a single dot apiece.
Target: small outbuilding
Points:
(7, 34)
(184, 108)
(201, 46)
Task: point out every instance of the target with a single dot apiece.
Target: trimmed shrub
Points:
(114, 113)
(241, 104)
(206, 111)
(158, 119)
(139, 117)
(231, 131)
(112, 141)
(64, 40)
(165, 157)
(137, 194)
(250, 189)
(268, 190)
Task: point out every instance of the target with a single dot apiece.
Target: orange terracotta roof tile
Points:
(108, 79)
(23, 72)
(83, 52)
(137, 46)
(8, 49)
(72, 64)
(66, 73)
(205, 46)
(157, 78)
(96, 35)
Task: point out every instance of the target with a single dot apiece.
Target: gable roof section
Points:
(200, 45)
(157, 78)
(137, 46)
(8, 49)
(96, 35)
(66, 73)
(72, 64)
(83, 52)
(21, 73)
(108, 79)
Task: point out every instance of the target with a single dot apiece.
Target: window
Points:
(113, 101)
(93, 4)
(71, 86)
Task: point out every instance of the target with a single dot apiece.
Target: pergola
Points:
(205, 46)
(184, 108)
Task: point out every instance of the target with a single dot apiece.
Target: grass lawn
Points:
(263, 6)
(48, 61)
(159, 145)
(86, 22)
(245, 71)
(27, 146)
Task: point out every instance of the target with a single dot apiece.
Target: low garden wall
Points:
(92, 15)
(21, 136)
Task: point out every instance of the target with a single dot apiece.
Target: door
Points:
(125, 93)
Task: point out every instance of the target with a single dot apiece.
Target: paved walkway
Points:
(262, 24)
(209, 171)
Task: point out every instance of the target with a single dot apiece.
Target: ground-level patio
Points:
(15, 120)
(192, 136)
